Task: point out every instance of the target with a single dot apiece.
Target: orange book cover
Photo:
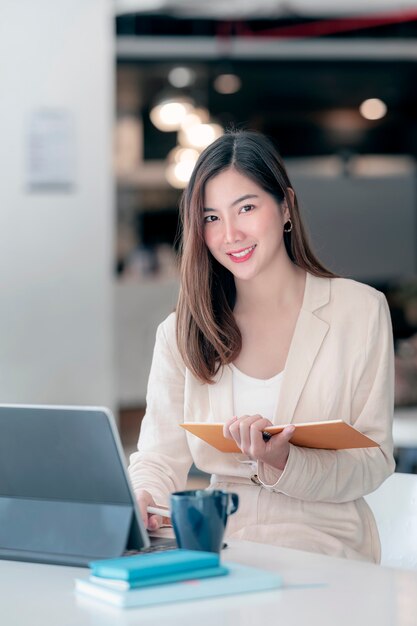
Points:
(331, 435)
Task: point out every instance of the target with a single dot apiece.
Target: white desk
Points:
(341, 593)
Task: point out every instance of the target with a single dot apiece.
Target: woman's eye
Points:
(246, 208)
(210, 218)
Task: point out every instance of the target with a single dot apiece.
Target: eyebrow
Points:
(237, 201)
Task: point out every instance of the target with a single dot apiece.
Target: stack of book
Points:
(172, 576)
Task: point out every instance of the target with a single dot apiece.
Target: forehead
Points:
(225, 187)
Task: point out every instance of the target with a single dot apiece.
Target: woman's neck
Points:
(282, 287)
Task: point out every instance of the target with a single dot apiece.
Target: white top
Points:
(254, 396)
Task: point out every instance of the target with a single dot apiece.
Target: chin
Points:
(243, 275)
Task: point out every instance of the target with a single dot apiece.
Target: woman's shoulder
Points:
(352, 291)
(354, 305)
(167, 330)
(166, 337)
(168, 325)
(343, 296)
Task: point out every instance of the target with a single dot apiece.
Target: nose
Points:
(232, 233)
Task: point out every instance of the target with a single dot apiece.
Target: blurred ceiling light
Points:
(178, 155)
(227, 83)
(343, 120)
(199, 135)
(181, 162)
(343, 126)
(195, 116)
(373, 109)
(178, 174)
(181, 77)
(168, 113)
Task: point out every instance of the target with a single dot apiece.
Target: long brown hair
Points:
(207, 334)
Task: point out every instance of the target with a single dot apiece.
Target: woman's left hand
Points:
(247, 431)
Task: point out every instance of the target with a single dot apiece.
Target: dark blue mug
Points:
(199, 517)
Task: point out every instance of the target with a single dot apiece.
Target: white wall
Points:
(56, 247)
(140, 308)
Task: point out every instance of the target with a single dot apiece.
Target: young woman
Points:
(263, 334)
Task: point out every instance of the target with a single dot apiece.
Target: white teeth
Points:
(243, 253)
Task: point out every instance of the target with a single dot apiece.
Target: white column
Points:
(56, 244)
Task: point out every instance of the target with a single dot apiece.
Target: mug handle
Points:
(234, 504)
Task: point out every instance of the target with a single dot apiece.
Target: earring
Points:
(288, 226)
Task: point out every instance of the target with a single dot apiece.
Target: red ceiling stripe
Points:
(324, 27)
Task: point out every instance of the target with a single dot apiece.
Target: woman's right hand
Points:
(150, 520)
(247, 432)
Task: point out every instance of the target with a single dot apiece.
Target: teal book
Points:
(163, 579)
(143, 567)
(240, 579)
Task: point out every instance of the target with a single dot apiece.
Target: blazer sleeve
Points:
(345, 475)
(163, 459)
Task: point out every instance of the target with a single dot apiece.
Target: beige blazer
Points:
(339, 366)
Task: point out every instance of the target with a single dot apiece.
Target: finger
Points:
(226, 428)
(245, 427)
(234, 430)
(143, 504)
(154, 522)
(261, 424)
(144, 499)
(257, 441)
(287, 433)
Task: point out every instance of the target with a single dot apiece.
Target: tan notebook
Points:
(332, 435)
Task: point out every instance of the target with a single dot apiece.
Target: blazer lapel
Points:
(308, 337)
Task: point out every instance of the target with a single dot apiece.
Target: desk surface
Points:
(318, 590)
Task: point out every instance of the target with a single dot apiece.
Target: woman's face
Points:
(243, 225)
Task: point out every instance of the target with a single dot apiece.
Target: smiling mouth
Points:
(242, 253)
